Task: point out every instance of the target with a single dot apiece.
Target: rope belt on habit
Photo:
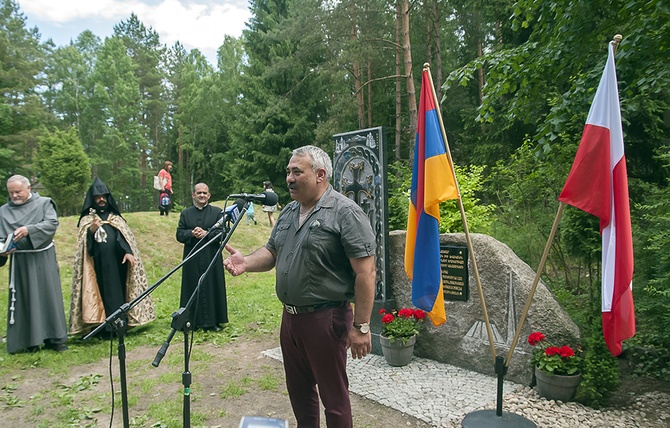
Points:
(12, 287)
(294, 310)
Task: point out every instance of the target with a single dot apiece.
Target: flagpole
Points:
(426, 68)
(538, 274)
(480, 418)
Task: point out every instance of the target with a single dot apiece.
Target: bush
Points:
(600, 377)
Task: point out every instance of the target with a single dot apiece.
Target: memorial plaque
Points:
(454, 263)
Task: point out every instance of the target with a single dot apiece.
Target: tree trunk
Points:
(438, 52)
(180, 157)
(143, 180)
(398, 88)
(429, 32)
(369, 94)
(360, 102)
(409, 76)
(480, 70)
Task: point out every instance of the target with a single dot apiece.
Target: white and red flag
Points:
(598, 184)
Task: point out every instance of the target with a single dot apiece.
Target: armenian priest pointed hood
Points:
(98, 188)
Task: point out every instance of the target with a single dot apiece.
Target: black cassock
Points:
(109, 271)
(210, 307)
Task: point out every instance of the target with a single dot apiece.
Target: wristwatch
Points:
(363, 327)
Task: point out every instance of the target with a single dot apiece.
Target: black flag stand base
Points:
(496, 418)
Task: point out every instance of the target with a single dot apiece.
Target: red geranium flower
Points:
(401, 324)
(552, 350)
(535, 337)
(387, 318)
(553, 359)
(566, 351)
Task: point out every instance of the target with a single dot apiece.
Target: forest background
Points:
(515, 80)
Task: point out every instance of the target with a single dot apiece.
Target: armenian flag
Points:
(432, 182)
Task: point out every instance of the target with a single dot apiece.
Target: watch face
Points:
(365, 328)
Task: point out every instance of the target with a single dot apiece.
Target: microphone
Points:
(231, 213)
(265, 198)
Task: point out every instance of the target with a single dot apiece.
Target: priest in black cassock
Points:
(210, 309)
(108, 270)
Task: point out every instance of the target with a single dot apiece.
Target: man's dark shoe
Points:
(58, 347)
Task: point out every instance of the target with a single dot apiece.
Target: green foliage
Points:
(652, 277)
(526, 189)
(600, 377)
(21, 110)
(479, 215)
(580, 234)
(650, 359)
(470, 182)
(399, 183)
(283, 96)
(546, 83)
(65, 169)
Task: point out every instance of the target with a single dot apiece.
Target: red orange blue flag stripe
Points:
(432, 182)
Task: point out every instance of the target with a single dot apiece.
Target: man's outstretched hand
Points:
(235, 264)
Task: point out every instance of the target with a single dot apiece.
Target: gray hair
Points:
(320, 159)
(22, 179)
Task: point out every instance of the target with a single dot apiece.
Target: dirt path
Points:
(228, 382)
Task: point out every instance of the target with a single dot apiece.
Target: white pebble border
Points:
(442, 395)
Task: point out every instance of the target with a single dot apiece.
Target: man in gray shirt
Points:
(322, 247)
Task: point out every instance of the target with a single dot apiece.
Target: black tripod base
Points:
(489, 419)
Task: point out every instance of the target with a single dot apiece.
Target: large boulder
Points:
(506, 282)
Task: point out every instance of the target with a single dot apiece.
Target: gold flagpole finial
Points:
(617, 39)
(426, 65)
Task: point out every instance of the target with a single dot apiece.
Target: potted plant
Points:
(557, 369)
(398, 336)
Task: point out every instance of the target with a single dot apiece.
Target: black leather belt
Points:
(294, 310)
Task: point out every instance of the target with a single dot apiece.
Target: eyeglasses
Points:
(202, 193)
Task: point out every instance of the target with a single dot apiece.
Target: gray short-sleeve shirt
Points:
(312, 264)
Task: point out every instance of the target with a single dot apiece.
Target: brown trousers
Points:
(315, 353)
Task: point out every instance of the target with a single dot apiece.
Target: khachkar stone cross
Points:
(359, 172)
(357, 183)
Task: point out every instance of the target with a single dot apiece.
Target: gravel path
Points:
(442, 395)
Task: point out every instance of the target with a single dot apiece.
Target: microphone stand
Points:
(118, 322)
(180, 321)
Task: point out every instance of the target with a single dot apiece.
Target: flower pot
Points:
(397, 354)
(557, 387)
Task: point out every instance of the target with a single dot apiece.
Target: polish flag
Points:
(598, 184)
